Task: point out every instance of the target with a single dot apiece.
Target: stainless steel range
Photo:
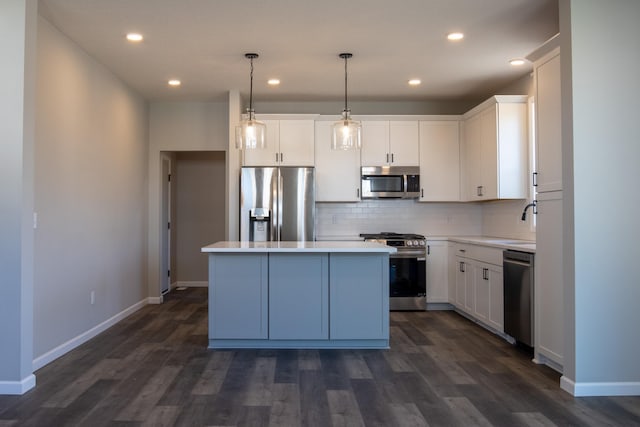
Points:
(407, 269)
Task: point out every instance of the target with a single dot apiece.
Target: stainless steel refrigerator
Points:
(277, 203)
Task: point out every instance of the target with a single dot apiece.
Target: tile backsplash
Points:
(348, 220)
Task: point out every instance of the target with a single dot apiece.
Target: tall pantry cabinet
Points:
(549, 289)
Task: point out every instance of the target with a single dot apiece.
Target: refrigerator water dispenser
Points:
(260, 220)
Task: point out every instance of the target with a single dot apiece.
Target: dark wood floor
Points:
(154, 369)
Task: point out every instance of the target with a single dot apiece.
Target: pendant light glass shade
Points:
(251, 133)
(346, 133)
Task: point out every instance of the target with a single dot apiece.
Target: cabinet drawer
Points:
(484, 254)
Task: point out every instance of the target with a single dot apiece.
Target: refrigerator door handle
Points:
(279, 206)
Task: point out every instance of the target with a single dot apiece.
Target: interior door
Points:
(166, 224)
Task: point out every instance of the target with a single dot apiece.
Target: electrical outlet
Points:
(93, 297)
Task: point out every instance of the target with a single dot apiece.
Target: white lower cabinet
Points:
(549, 292)
(437, 271)
(479, 284)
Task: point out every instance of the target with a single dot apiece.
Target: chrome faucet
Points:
(530, 205)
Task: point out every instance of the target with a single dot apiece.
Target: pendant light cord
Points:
(251, 91)
(345, 84)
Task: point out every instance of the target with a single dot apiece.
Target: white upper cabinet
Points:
(495, 149)
(337, 171)
(297, 142)
(439, 161)
(290, 142)
(390, 143)
(548, 123)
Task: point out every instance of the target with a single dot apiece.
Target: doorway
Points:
(195, 205)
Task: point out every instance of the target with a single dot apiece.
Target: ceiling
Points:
(202, 43)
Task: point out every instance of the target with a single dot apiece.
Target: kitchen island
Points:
(298, 294)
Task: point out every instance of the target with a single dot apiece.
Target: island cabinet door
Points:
(298, 296)
(359, 296)
(238, 296)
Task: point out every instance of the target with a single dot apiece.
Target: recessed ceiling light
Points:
(174, 82)
(273, 82)
(134, 37)
(455, 36)
(415, 82)
(517, 62)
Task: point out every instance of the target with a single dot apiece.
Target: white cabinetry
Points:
(495, 149)
(479, 284)
(437, 272)
(548, 123)
(439, 161)
(290, 142)
(337, 171)
(390, 143)
(548, 292)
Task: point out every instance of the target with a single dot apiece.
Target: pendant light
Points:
(346, 132)
(250, 133)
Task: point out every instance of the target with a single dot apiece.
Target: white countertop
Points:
(325, 246)
(496, 242)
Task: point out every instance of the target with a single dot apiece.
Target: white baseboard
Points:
(599, 389)
(192, 284)
(66, 347)
(18, 387)
(155, 300)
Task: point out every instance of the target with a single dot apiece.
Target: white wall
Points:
(17, 91)
(502, 218)
(90, 193)
(177, 126)
(601, 101)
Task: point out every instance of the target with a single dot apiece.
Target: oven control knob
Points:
(415, 243)
(409, 243)
(422, 243)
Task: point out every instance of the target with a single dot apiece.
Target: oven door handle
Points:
(420, 255)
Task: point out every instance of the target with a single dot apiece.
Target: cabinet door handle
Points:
(387, 157)
(391, 157)
(428, 249)
(422, 192)
(461, 267)
(276, 157)
(281, 157)
(535, 179)
(357, 192)
(485, 273)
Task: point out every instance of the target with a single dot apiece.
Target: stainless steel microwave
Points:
(390, 182)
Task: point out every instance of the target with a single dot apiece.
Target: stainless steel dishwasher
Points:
(518, 295)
